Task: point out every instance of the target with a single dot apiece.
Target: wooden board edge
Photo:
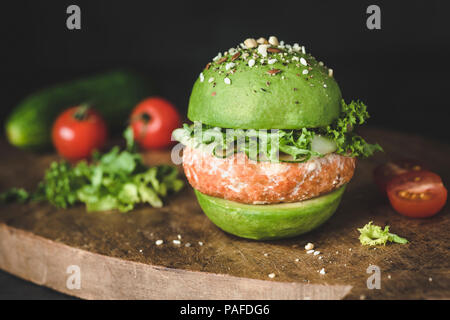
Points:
(58, 266)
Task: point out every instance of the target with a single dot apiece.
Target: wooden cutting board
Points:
(118, 258)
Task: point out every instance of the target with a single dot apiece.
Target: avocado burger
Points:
(272, 144)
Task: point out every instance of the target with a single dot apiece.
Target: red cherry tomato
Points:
(153, 121)
(77, 132)
(386, 172)
(418, 194)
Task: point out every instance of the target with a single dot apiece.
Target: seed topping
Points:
(273, 71)
(236, 56)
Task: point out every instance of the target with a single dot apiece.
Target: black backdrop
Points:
(400, 71)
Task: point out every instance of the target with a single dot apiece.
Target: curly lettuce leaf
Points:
(341, 131)
(117, 180)
(372, 235)
(120, 181)
(256, 144)
(267, 144)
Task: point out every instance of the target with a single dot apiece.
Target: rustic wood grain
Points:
(46, 262)
(119, 259)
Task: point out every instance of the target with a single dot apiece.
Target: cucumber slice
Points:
(323, 145)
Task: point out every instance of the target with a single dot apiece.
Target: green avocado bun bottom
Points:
(266, 84)
(269, 222)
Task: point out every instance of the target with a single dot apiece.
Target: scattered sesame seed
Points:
(159, 242)
(320, 257)
(262, 49)
(362, 297)
(251, 62)
(337, 252)
(250, 43)
(309, 245)
(310, 251)
(266, 254)
(303, 50)
(227, 80)
(316, 253)
(230, 65)
(211, 80)
(187, 244)
(273, 41)
(324, 85)
(305, 71)
(297, 260)
(389, 276)
(272, 61)
(272, 275)
(262, 40)
(321, 63)
(430, 279)
(176, 242)
(322, 271)
(202, 77)
(200, 243)
(179, 237)
(303, 61)
(330, 72)
(232, 51)
(349, 249)
(140, 250)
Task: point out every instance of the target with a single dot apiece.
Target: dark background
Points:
(400, 71)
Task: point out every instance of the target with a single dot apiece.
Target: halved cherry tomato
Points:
(386, 172)
(418, 194)
(78, 131)
(153, 121)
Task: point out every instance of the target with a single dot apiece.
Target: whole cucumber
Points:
(113, 94)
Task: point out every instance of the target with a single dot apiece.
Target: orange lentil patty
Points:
(239, 179)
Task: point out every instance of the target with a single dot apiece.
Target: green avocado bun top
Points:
(265, 84)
